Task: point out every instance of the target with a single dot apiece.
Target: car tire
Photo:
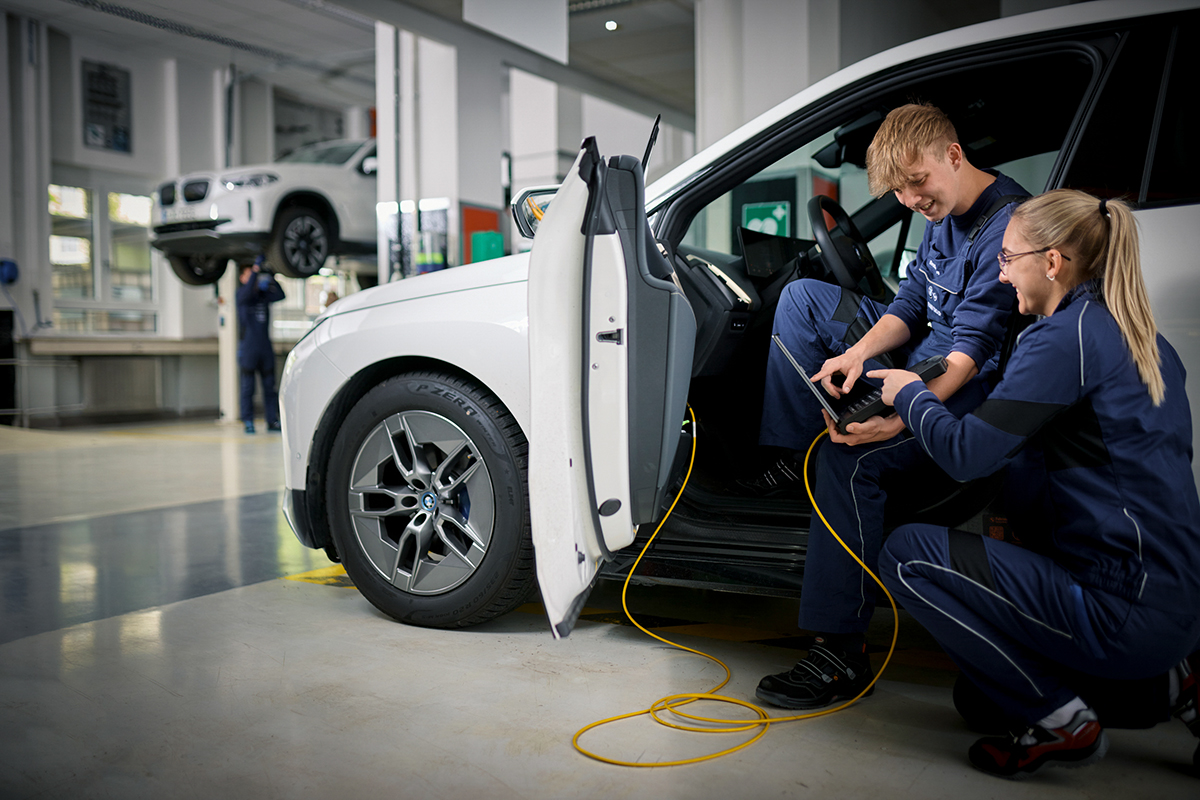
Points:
(199, 270)
(300, 243)
(428, 504)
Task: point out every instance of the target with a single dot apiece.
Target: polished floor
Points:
(163, 635)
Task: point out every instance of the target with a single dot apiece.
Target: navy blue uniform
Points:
(1103, 489)
(952, 301)
(255, 354)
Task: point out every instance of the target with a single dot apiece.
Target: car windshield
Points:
(323, 153)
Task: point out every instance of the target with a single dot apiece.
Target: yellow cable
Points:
(537, 212)
(673, 702)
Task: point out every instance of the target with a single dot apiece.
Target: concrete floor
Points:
(163, 635)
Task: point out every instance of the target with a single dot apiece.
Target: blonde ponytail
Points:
(1103, 238)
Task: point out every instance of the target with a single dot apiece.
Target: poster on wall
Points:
(106, 111)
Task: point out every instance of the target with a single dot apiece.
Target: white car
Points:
(317, 201)
(436, 429)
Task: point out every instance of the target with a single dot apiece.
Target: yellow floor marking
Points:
(334, 575)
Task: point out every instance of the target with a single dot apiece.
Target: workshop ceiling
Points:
(651, 52)
(325, 53)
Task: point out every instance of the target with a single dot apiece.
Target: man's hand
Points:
(848, 364)
(875, 429)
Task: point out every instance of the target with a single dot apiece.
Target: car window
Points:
(774, 200)
(991, 105)
(1175, 177)
(1111, 157)
(324, 153)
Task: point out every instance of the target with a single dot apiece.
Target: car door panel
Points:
(610, 338)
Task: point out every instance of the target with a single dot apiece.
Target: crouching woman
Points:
(1092, 419)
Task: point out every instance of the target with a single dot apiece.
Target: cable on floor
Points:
(672, 703)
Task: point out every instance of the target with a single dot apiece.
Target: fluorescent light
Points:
(611, 25)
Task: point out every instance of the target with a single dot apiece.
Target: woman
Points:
(1092, 415)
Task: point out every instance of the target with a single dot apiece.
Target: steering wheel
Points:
(843, 249)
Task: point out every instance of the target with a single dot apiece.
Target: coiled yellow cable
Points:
(673, 702)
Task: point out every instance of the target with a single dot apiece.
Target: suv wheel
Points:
(300, 244)
(428, 504)
(198, 270)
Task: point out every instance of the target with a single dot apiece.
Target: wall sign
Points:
(106, 111)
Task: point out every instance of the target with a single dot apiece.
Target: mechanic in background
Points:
(257, 291)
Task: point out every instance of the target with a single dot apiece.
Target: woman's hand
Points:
(893, 381)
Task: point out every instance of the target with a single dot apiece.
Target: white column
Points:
(437, 132)
(227, 339)
(7, 229)
(256, 106)
(387, 141)
(753, 54)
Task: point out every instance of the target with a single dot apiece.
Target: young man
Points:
(952, 304)
(255, 355)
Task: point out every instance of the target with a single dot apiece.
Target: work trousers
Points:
(1016, 621)
(858, 489)
(262, 364)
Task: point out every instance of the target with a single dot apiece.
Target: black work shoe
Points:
(822, 678)
(780, 478)
(1077, 744)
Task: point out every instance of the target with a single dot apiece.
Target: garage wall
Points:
(147, 91)
(197, 92)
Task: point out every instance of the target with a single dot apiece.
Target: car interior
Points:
(747, 229)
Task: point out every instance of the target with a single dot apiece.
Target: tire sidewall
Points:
(279, 258)
(183, 269)
(468, 408)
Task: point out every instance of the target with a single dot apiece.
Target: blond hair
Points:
(1102, 238)
(907, 133)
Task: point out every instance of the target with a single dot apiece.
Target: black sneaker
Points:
(1077, 744)
(780, 478)
(821, 678)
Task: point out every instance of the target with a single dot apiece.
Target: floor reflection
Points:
(61, 574)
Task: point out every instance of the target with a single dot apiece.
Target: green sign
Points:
(770, 218)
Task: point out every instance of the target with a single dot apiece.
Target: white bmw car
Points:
(441, 431)
(317, 201)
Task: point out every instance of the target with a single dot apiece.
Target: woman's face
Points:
(1026, 272)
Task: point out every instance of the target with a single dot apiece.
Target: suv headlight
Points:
(233, 182)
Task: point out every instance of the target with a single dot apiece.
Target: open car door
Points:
(610, 349)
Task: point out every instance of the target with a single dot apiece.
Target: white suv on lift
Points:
(436, 429)
(317, 201)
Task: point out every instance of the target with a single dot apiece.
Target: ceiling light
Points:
(611, 25)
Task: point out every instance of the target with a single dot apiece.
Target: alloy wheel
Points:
(421, 502)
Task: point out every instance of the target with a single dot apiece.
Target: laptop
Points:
(869, 405)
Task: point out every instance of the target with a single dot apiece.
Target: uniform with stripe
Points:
(1100, 486)
(952, 301)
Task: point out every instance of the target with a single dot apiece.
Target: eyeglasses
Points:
(1007, 258)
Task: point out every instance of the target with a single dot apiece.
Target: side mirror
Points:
(529, 206)
(370, 165)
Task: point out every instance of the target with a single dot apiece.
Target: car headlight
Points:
(233, 182)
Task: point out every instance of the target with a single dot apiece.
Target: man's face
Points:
(931, 184)
(246, 273)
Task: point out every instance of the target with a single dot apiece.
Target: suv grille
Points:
(166, 194)
(195, 190)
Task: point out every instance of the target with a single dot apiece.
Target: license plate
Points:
(179, 214)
